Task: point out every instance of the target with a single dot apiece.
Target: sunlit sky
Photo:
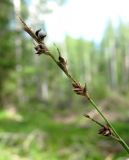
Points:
(84, 18)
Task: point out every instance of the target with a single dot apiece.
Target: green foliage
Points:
(42, 135)
(55, 144)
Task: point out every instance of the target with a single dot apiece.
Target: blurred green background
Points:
(40, 116)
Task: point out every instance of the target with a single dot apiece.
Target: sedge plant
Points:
(106, 129)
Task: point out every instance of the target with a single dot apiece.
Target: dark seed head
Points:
(40, 35)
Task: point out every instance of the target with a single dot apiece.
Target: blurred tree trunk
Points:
(112, 65)
(41, 79)
(126, 65)
(18, 51)
(7, 63)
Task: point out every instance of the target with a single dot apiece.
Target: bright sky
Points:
(84, 18)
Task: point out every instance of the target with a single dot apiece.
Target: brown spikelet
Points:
(41, 49)
(78, 89)
(105, 131)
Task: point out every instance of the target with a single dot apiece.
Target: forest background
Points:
(40, 116)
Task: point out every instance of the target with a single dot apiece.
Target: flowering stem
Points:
(42, 49)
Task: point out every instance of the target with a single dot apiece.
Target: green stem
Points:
(121, 141)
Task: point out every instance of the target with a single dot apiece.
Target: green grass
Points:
(52, 140)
